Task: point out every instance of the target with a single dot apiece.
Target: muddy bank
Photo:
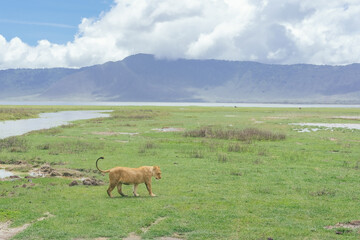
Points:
(25, 170)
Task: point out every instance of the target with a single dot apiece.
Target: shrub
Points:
(223, 158)
(14, 144)
(147, 145)
(247, 134)
(196, 154)
(236, 147)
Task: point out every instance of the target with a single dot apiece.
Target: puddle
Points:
(307, 130)
(353, 126)
(47, 120)
(5, 174)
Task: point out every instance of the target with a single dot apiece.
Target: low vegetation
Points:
(247, 134)
(227, 173)
(14, 144)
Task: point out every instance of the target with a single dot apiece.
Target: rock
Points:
(92, 182)
(67, 174)
(73, 183)
(96, 182)
(46, 169)
(87, 182)
(13, 177)
(55, 174)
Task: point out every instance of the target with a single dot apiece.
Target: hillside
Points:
(144, 78)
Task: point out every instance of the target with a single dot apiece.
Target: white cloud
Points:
(276, 31)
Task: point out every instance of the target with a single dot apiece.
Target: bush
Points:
(14, 144)
(246, 134)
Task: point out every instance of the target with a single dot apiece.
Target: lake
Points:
(47, 120)
(184, 104)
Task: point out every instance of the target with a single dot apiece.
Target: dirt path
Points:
(133, 236)
(6, 232)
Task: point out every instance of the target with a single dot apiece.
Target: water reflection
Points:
(47, 120)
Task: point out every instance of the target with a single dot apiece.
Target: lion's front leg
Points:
(148, 186)
(135, 189)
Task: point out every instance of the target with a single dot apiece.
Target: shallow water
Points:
(46, 120)
(4, 173)
(330, 125)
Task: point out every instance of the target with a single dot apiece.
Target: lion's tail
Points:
(106, 171)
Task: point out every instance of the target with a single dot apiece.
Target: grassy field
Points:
(227, 173)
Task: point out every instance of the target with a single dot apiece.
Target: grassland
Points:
(228, 173)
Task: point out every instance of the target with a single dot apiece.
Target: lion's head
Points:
(157, 172)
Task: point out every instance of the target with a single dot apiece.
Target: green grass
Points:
(233, 173)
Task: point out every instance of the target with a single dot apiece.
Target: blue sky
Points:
(56, 21)
(78, 33)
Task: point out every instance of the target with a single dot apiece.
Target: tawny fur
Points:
(131, 176)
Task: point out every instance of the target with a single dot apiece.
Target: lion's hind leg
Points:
(119, 187)
(113, 182)
(111, 187)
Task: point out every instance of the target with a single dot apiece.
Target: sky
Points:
(78, 33)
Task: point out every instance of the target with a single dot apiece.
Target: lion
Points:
(130, 176)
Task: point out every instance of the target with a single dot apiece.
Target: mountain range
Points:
(143, 77)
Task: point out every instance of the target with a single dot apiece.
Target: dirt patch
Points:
(157, 221)
(169, 129)
(113, 133)
(47, 171)
(347, 117)
(100, 238)
(18, 167)
(351, 225)
(343, 228)
(132, 236)
(169, 238)
(6, 232)
(279, 117)
(87, 182)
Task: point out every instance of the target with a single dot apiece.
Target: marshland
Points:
(227, 173)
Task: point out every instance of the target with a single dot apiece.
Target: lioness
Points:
(129, 176)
